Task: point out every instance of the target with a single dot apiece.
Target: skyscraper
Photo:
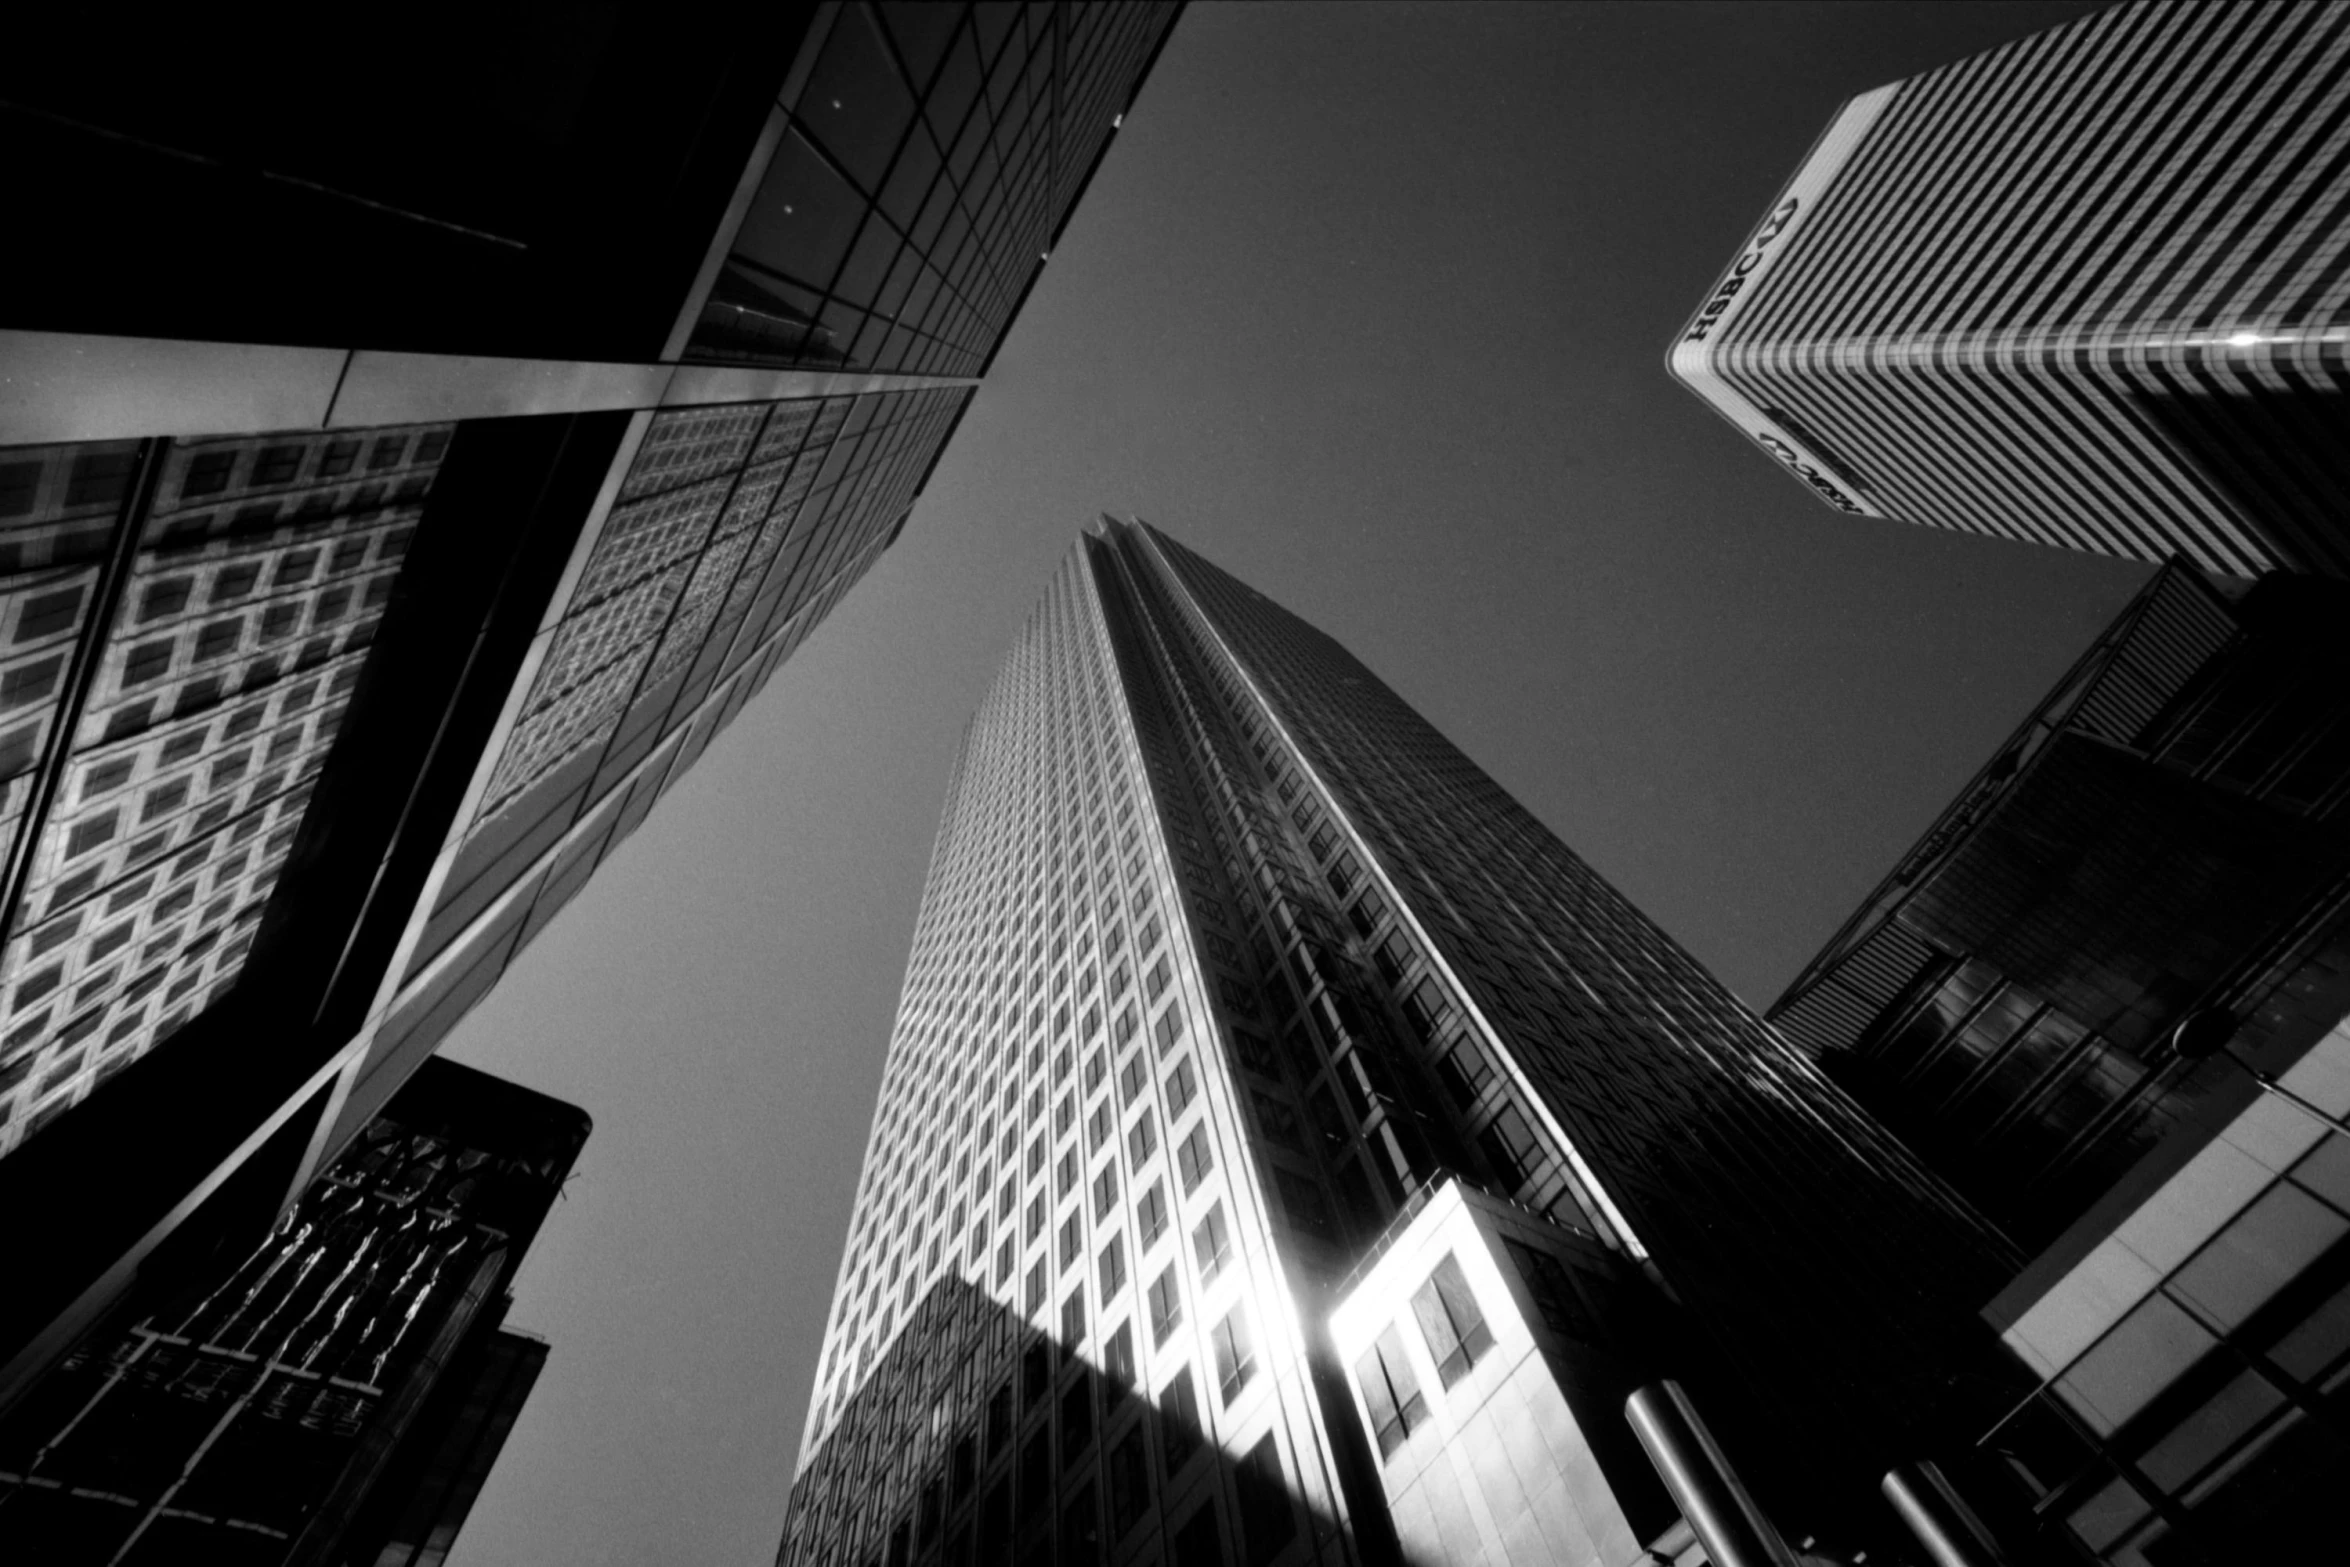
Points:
(1233, 983)
(2085, 289)
(516, 398)
(291, 1402)
(2061, 997)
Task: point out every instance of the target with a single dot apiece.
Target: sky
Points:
(1370, 306)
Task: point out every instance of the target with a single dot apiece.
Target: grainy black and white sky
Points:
(1370, 305)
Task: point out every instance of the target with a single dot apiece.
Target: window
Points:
(1308, 1211)
(1130, 1482)
(1065, 1172)
(164, 800)
(1105, 1191)
(1166, 1302)
(1179, 1423)
(208, 473)
(1255, 1053)
(1097, 1066)
(1211, 1244)
(86, 835)
(1554, 1295)
(1077, 1420)
(108, 775)
(1278, 1122)
(1064, 1115)
(1267, 1522)
(1154, 984)
(1450, 1321)
(1036, 1474)
(1465, 1072)
(1150, 1215)
(1113, 1267)
(1142, 1140)
(1182, 1084)
(1509, 1146)
(1118, 1363)
(1236, 1355)
(1197, 1544)
(148, 661)
(1426, 1009)
(1390, 1392)
(1072, 1323)
(47, 614)
(162, 599)
(1099, 1122)
(1081, 1533)
(1168, 1030)
(1194, 1158)
(1122, 1028)
(1035, 1224)
(1072, 1239)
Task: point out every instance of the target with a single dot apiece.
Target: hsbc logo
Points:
(1756, 250)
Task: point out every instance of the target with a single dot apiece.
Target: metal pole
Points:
(1726, 1520)
(1943, 1523)
(2211, 1031)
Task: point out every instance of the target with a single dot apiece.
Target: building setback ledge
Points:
(58, 387)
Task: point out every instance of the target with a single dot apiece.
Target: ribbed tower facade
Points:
(1227, 960)
(2087, 289)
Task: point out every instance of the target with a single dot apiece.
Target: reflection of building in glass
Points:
(1227, 965)
(302, 1401)
(256, 573)
(2083, 289)
(2163, 839)
(368, 575)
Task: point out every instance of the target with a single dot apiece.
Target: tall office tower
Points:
(417, 440)
(2060, 998)
(2086, 289)
(1241, 1003)
(306, 1400)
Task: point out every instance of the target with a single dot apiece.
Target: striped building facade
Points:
(2088, 289)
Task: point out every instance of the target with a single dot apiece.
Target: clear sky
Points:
(1370, 305)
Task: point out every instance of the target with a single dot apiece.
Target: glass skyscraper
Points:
(1234, 983)
(516, 399)
(2085, 289)
(2157, 852)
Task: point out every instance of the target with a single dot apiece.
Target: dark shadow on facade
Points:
(978, 1441)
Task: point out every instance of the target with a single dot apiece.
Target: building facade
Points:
(2163, 840)
(1227, 965)
(2085, 289)
(288, 1405)
(516, 409)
